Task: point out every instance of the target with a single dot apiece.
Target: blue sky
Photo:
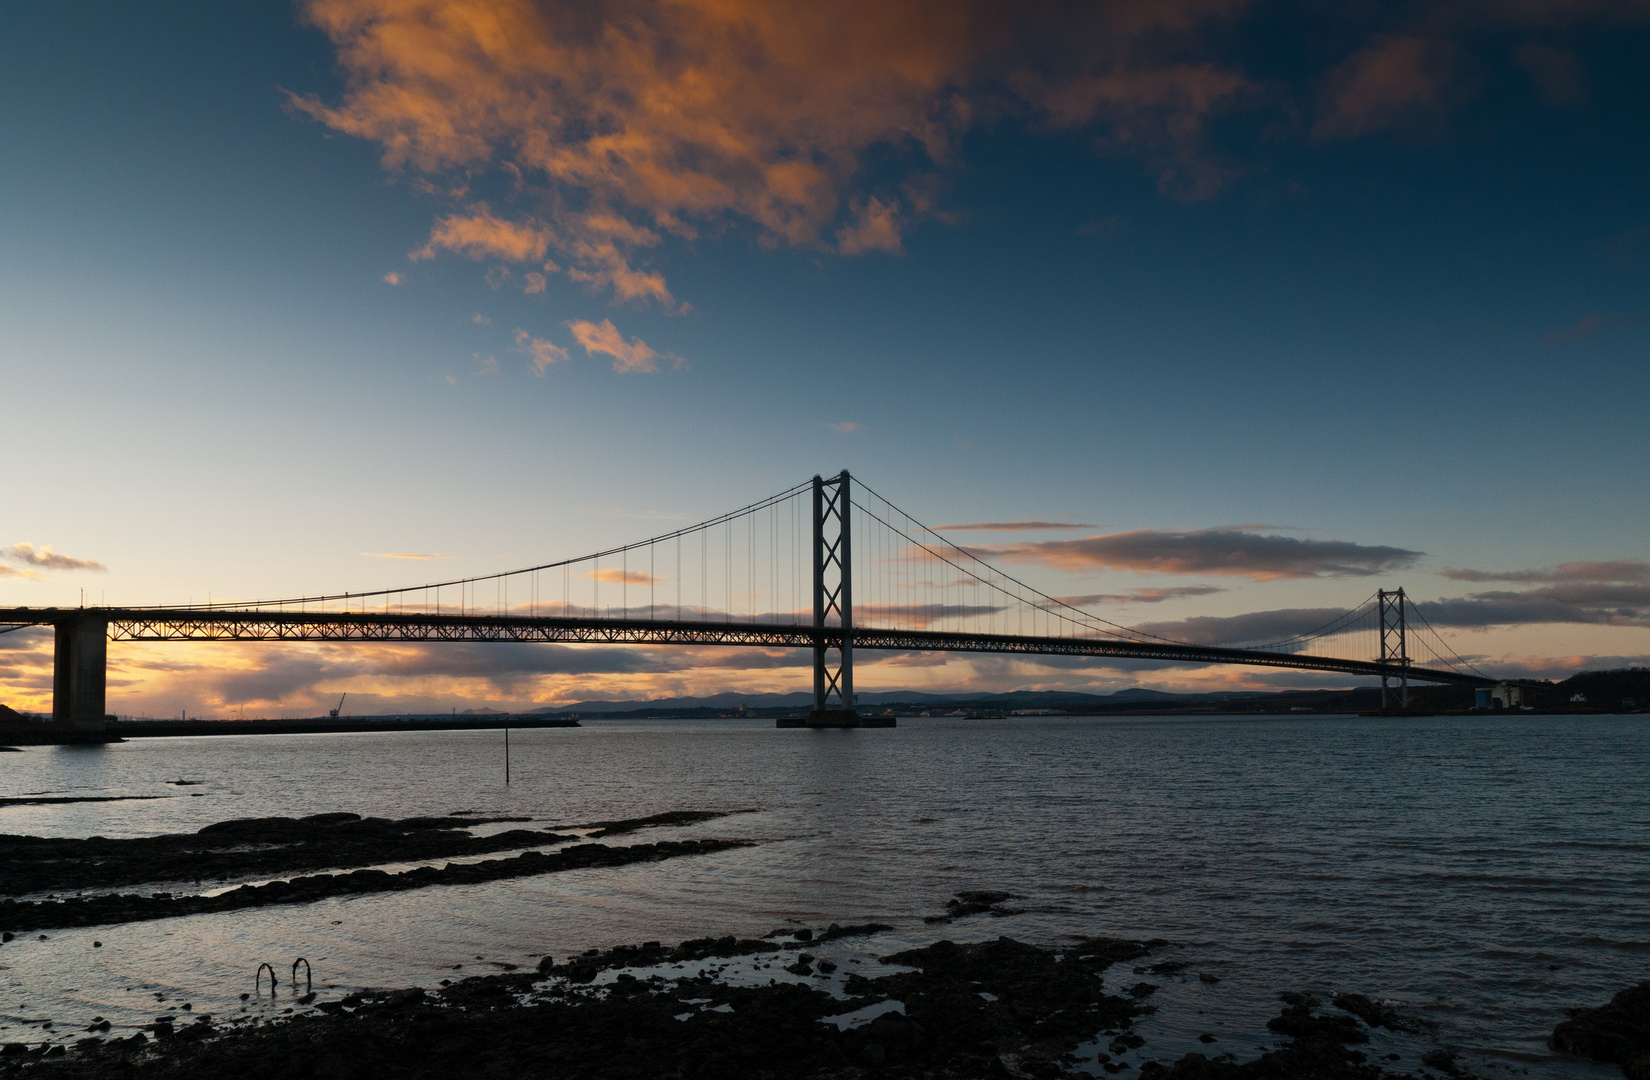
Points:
(1377, 279)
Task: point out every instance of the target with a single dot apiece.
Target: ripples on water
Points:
(1487, 872)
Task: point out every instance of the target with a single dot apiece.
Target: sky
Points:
(1279, 302)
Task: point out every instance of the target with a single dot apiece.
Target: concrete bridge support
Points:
(79, 676)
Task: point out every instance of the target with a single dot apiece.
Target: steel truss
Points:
(184, 624)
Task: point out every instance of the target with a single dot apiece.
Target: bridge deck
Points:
(203, 624)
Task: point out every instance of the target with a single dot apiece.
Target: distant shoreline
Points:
(151, 729)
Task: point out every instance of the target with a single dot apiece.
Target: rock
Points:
(1298, 1023)
(1618, 1032)
(1370, 1012)
(974, 902)
(1204, 976)
(803, 934)
(827, 966)
(1206, 1038)
(1442, 1060)
(835, 931)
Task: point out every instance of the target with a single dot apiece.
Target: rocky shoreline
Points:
(797, 1002)
(998, 1008)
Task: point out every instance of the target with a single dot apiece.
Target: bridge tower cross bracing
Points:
(833, 604)
(1394, 647)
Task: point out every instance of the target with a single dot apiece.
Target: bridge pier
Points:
(79, 677)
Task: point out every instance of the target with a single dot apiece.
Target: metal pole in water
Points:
(506, 752)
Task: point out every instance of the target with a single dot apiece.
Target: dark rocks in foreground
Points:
(1618, 1032)
(995, 1009)
(1318, 1048)
(987, 1010)
(121, 908)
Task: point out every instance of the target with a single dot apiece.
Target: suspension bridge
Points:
(828, 566)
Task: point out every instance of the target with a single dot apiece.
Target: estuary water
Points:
(1482, 873)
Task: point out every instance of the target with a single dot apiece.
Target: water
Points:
(1485, 873)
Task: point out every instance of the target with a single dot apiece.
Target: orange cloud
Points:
(541, 352)
(479, 234)
(642, 118)
(613, 575)
(393, 278)
(873, 227)
(604, 337)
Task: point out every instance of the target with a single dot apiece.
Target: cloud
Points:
(677, 117)
(401, 555)
(613, 575)
(1236, 552)
(1580, 330)
(479, 234)
(1013, 526)
(1591, 603)
(845, 427)
(1156, 113)
(541, 352)
(1612, 571)
(536, 283)
(1587, 604)
(393, 278)
(1555, 73)
(480, 320)
(1391, 84)
(873, 225)
(604, 338)
(47, 559)
(1253, 628)
(1141, 596)
(832, 125)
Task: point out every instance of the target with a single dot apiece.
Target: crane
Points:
(334, 712)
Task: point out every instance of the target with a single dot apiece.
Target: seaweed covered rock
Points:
(1618, 1032)
(1317, 1048)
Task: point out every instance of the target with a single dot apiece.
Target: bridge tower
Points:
(833, 605)
(79, 675)
(1394, 647)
